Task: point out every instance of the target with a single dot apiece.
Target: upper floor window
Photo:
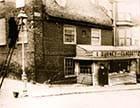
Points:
(124, 16)
(2, 32)
(125, 38)
(69, 67)
(69, 33)
(95, 36)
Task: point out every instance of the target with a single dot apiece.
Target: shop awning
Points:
(89, 52)
(104, 59)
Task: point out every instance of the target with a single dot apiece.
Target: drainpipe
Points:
(114, 14)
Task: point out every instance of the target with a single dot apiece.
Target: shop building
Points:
(75, 40)
(120, 64)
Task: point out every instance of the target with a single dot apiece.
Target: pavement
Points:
(44, 90)
(56, 90)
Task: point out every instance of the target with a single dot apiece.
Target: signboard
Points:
(20, 3)
(2, 31)
(119, 53)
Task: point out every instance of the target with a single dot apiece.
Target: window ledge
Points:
(70, 76)
(71, 43)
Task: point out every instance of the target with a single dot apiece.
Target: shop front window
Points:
(119, 66)
(85, 67)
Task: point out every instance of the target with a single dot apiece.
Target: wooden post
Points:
(77, 68)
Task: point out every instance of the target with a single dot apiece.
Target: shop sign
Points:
(118, 53)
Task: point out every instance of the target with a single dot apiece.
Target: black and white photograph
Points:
(69, 53)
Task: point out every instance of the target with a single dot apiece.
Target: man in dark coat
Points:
(102, 75)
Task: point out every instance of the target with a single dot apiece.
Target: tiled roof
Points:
(79, 10)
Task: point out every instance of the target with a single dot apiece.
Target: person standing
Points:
(102, 75)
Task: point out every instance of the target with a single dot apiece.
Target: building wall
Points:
(9, 8)
(54, 52)
(107, 37)
(51, 51)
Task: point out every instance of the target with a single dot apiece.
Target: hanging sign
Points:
(20, 3)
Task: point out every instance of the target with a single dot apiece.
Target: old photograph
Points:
(69, 53)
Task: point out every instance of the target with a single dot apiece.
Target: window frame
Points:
(125, 34)
(95, 36)
(66, 74)
(64, 33)
(87, 65)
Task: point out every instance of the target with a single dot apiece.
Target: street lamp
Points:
(22, 20)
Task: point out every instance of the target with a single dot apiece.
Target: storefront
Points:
(106, 65)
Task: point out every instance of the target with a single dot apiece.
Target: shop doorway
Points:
(102, 75)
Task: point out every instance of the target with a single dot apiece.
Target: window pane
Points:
(69, 66)
(128, 33)
(69, 38)
(121, 33)
(122, 42)
(2, 31)
(128, 41)
(85, 67)
(95, 36)
(95, 41)
(136, 42)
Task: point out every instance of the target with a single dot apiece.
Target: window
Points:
(125, 37)
(69, 67)
(95, 36)
(136, 42)
(124, 16)
(85, 67)
(69, 34)
(2, 32)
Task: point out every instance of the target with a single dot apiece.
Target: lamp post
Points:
(22, 17)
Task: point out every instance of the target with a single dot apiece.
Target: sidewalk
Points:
(43, 90)
(79, 89)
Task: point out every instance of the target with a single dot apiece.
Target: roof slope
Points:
(79, 10)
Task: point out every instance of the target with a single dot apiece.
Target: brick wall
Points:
(15, 65)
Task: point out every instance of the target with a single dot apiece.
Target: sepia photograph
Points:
(69, 53)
